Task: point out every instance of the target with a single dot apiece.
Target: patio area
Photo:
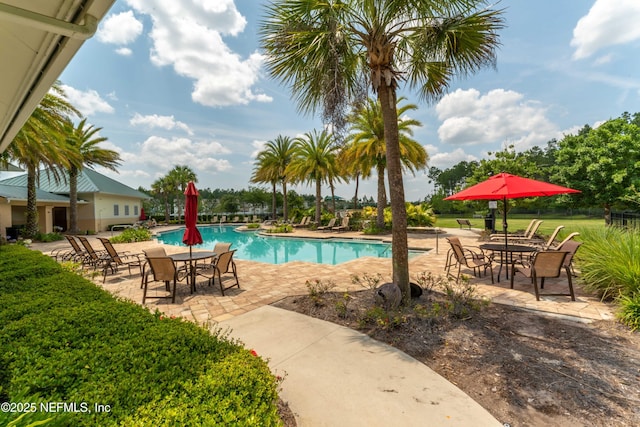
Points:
(262, 284)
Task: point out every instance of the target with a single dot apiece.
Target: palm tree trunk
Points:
(166, 209)
(274, 202)
(399, 245)
(382, 196)
(32, 208)
(355, 197)
(318, 201)
(73, 200)
(285, 210)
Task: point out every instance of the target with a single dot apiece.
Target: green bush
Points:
(629, 313)
(609, 262)
(63, 339)
(130, 235)
(48, 237)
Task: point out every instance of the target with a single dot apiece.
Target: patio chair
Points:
(571, 247)
(329, 226)
(465, 257)
(303, 222)
(517, 234)
(163, 269)
(157, 251)
(544, 264)
(76, 253)
(344, 226)
(114, 259)
(224, 264)
(546, 245)
(94, 258)
(566, 239)
(528, 238)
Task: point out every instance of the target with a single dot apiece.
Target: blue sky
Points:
(184, 83)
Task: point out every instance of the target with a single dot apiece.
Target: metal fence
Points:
(625, 219)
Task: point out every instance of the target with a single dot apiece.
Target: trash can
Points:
(490, 223)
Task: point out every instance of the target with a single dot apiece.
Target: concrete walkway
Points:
(334, 375)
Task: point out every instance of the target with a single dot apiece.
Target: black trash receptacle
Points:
(12, 233)
(490, 224)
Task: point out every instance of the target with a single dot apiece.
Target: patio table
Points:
(189, 257)
(506, 253)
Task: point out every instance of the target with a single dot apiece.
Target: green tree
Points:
(603, 163)
(281, 151)
(41, 141)
(329, 51)
(366, 146)
(164, 188)
(84, 141)
(314, 161)
(265, 171)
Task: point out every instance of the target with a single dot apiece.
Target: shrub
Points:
(63, 339)
(629, 313)
(48, 237)
(130, 235)
(608, 261)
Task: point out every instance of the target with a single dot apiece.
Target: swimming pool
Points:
(251, 246)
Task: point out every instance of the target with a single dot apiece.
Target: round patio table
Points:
(187, 258)
(506, 253)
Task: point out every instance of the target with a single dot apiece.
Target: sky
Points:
(184, 83)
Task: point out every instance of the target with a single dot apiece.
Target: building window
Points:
(135, 210)
(116, 210)
(126, 210)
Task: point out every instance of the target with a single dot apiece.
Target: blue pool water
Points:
(278, 250)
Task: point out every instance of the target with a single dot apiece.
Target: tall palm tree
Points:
(281, 152)
(265, 171)
(164, 188)
(315, 161)
(85, 142)
(367, 149)
(41, 141)
(328, 51)
(180, 176)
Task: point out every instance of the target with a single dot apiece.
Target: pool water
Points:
(251, 246)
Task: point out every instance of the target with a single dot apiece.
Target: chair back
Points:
(162, 267)
(456, 248)
(570, 247)
(332, 222)
(92, 252)
(548, 263)
(553, 237)
(110, 249)
(345, 221)
(76, 247)
(568, 238)
(534, 229)
(156, 251)
(224, 261)
(221, 247)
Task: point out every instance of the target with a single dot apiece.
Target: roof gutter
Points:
(52, 25)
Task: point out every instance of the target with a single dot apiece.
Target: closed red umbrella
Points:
(143, 216)
(191, 233)
(506, 186)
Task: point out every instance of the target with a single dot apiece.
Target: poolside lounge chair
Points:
(344, 225)
(93, 258)
(223, 219)
(464, 257)
(544, 264)
(549, 243)
(528, 238)
(517, 234)
(566, 239)
(114, 259)
(224, 264)
(329, 226)
(303, 222)
(162, 269)
(76, 253)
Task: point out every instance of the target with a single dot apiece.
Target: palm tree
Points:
(280, 152)
(163, 187)
(328, 51)
(367, 149)
(41, 142)
(85, 142)
(315, 161)
(180, 176)
(265, 171)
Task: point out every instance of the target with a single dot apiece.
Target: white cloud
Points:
(156, 121)
(469, 118)
(88, 102)
(120, 29)
(124, 51)
(446, 160)
(163, 153)
(608, 23)
(258, 146)
(188, 35)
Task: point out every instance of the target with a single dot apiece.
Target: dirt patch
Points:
(525, 368)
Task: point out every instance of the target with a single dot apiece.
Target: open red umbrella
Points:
(506, 186)
(191, 233)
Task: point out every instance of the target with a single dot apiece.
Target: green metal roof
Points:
(14, 192)
(89, 181)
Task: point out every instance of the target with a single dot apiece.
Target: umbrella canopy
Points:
(191, 233)
(506, 186)
(143, 216)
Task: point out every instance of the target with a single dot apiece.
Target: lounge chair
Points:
(114, 259)
(93, 258)
(329, 226)
(525, 233)
(303, 222)
(528, 238)
(546, 245)
(223, 264)
(460, 256)
(344, 225)
(163, 269)
(76, 253)
(566, 239)
(544, 264)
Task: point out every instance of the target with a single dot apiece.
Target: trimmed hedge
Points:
(63, 339)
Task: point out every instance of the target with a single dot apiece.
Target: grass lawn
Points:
(520, 222)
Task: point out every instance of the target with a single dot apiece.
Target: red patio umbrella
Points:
(191, 233)
(143, 216)
(506, 186)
